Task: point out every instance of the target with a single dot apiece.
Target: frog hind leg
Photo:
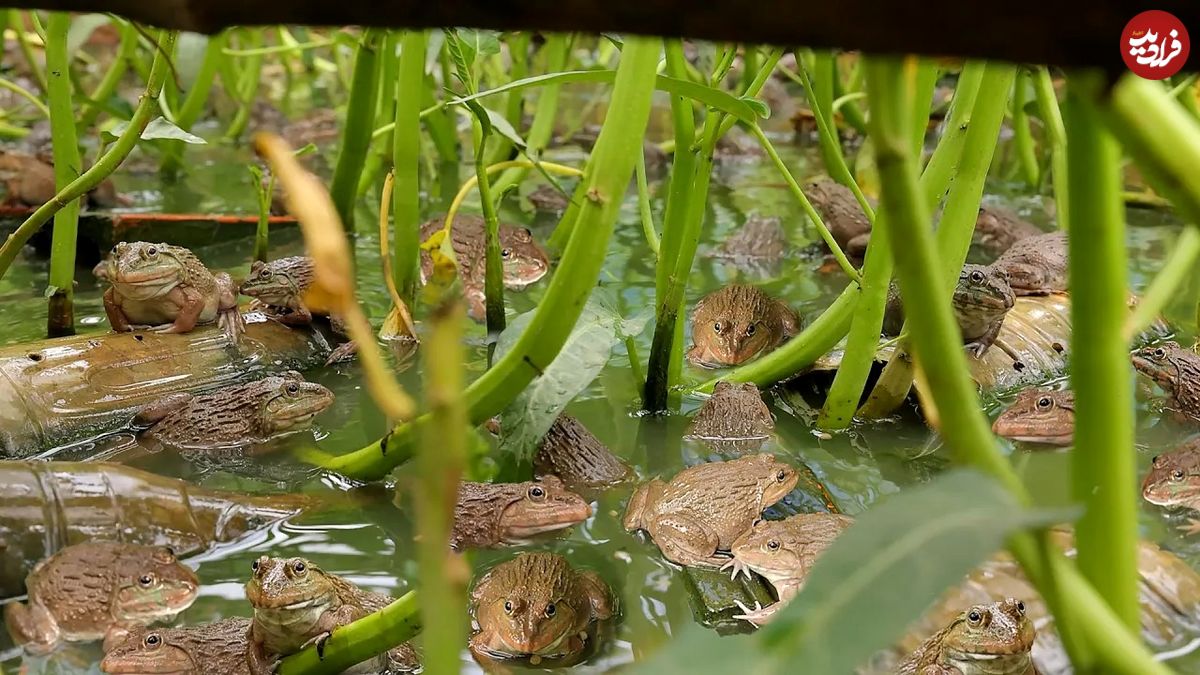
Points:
(345, 351)
(644, 496)
(686, 541)
(159, 409)
(979, 346)
(191, 305)
(598, 594)
(257, 660)
(31, 626)
(229, 316)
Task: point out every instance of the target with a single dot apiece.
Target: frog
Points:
(735, 411)
(696, 516)
(1177, 371)
(995, 638)
(783, 552)
(211, 649)
(759, 244)
(1036, 265)
(842, 215)
(88, 590)
(738, 323)
(548, 199)
(998, 228)
(251, 413)
(524, 260)
(1039, 416)
(982, 298)
(29, 182)
(167, 288)
(1174, 481)
(494, 514)
(570, 452)
(288, 291)
(536, 606)
(296, 603)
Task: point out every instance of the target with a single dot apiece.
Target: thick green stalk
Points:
(108, 84)
(244, 83)
(356, 642)
(1022, 134)
(440, 124)
(823, 67)
(146, 109)
(356, 136)
(514, 104)
(542, 127)
(644, 212)
(197, 97)
(406, 160)
(1056, 137)
(606, 178)
(493, 280)
(922, 102)
(61, 318)
(441, 460)
(1180, 266)
(1104, 464)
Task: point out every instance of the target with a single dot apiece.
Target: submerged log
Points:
(45, 506)
(63, 390)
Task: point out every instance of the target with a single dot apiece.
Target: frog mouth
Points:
(990, 664)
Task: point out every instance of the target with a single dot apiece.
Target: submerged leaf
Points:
(890, 565)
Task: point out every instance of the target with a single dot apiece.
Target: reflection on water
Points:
(368, 540)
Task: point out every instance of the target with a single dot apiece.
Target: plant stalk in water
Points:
(406, 160)
(61, 317)
(358, 641)
(356, 136)
(146, 108)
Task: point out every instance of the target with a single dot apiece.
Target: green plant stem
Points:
(116, 154)
(822, 68)
(358, 641)
(112, 77)
(61, 317)
(606, 178)
(441, 460)
(1056, 137)
(514, 105)
(35, 69)
(644, 212)
(1180, 266)
(406, 160)
(493, 283)
(263, 229)
(542, 127)
(196, 100)
(25, 94)
(922, 102)
(1022, 133)
(243, 84)
(1104, 464)
(356, 136)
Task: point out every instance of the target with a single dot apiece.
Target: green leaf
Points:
(82, 27)
(759, 107)
(159, 129)
(584, 355)
(504, 128)
(709, 96)
(890, 565)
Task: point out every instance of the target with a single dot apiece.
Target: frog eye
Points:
(773, 545)
(977, 276)
(781, 475)
(717, 327)
(152, 641)
(1020, 608)
(977, 618)
(264, 273)
(1159, 352)
(1045, 403)
(508, 607)
(1154, 461)
(255, 565)
(506, 253)
(551, 610)
(165, 555)
(1177, 474)
(292, 388)
(299, 568)
(146, 580)
(750, 330)
(537, 493)
(151, 251)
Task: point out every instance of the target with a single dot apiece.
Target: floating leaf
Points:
(159, 129)
(584, 355)
(890, 565)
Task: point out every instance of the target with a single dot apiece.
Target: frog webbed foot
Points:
(687, 542)
(344, 352)
(232, 324)
(757, 615)
(1192, 527)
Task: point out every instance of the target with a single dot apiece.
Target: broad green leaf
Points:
(159, 129)
(713, 98)
(82, 27)
(890, 565)
(584, 355)
(502, 126)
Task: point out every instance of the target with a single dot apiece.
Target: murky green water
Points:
(371, 543)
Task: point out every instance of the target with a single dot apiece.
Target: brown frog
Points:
(492, 514)
(536, 605)
(843, 215)
(784, 552)
(1039, 416)
(88, 590)
(297, 603)
(168, 288)
(243, 414)
(212, 649)
(1174, 481)
(524, 260)
(287, 290)
(996, 639)
(705, 508)
(734, 418)
(738, 323)
(1176, 370)
(997, 229)
(982, 298)
(1036, 265)
(547, 198)
(570, 452)
(759, 243)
